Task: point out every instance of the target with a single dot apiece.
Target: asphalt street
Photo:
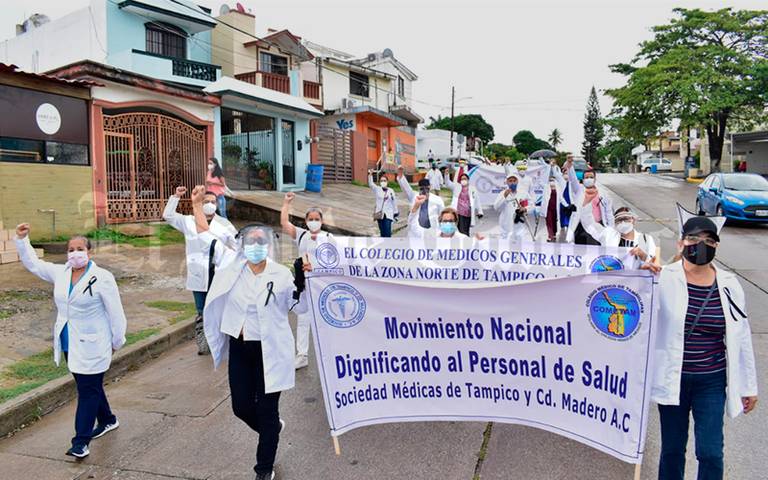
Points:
(177, 423)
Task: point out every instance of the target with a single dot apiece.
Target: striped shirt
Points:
(704, 350)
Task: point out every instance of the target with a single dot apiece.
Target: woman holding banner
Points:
(704, 362)
(306, 241)
(246, 319)
(465, 201)
(624, 234)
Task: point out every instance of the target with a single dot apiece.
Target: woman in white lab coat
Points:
(246, 321)
(90, 325)
(624, 234)
(385, 209)
(465, 200)
(703, 359)
(204, 254)
(306, 242)
(586, 202)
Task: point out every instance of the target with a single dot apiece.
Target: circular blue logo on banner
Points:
(605, 263)
(327, 255)
(615, 312)
(341, 305)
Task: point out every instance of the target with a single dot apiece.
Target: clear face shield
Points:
(257, 242)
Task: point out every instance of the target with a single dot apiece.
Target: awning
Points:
(406, 113)
(262, 98)
(375, 117)
(750, 137)
(182, 13)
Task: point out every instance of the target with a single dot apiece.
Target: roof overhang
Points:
(360, 68)
(406, 114)
(180, 13)
(750, 137)
(231, 89)
(375, 117)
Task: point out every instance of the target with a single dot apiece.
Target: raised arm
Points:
(450, 184)
(201, 223)
(405, 186)
(170, 215)
(573, 181)
(44, 270)
(285, 215)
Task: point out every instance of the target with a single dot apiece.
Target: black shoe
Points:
(102, 430)
(79, 451)
(266, 475)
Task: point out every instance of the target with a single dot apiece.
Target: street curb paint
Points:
(29, 407)
(694, 180)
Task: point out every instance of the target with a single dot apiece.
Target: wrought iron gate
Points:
(335, 152)
(147, 156)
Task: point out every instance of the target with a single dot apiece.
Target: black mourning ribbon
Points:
(270, 292)
(89, 287)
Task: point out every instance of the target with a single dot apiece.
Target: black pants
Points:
(92, 406)
(581, 237)
(250, 404)
(464, 224)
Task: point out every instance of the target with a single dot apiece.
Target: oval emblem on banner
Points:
(341, 305)
(615, 312)
(327, 255)
(606, 263)
(48, 118)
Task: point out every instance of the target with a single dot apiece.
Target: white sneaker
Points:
(282, 425)
(301, 361)
(100, 430)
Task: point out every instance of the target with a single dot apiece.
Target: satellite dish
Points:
(224, 9)
(387, 53)
(240, 8)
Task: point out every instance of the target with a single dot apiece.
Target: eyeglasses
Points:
(694, 239)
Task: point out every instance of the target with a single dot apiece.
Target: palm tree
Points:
(555, 138)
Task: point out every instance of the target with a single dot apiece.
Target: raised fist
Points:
(22, 230)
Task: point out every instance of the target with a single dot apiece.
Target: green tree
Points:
(555, 138)
(617, 150)
(503, 153)
(593, 129)
(467, 125)
(704, 69)
(527, 143)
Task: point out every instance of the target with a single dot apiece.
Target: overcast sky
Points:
(525, 64)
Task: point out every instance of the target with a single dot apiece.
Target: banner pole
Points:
(337, 447)
(638, 467)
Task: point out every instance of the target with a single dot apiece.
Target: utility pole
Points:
(453, 97)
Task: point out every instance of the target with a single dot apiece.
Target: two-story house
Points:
(372, 96)
(158, 115)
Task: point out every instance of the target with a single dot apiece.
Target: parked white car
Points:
(662, 164)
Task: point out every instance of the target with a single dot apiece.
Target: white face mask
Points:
(589, 182)
(209, 209)
(464, 183)
(624, 227)
(77, 259)
(314, 225)
(211, 166)
(552, 185)
(383, 184)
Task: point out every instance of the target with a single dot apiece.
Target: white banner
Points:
(490, 261)
(489, 180)
(568, 355)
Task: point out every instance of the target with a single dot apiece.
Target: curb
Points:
(29, 407)
(694, 180)
(270, 216)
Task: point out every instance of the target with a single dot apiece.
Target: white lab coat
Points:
(386, 200)
(276, 337)
(198, 245)
(507, 207)
(435, 179)
(475, 205)
(577, 199)
(559, 188)
(610, 237)
(416, 231)
(436, 205)
(95, 319)
(670, 335)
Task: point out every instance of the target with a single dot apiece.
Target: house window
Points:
(358, 84)
(166, 40)
(273, 64)
(401, 86)
(40, 151)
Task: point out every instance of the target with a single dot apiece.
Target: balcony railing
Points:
(273, 81)
(197, 70)
(179, 67)
(311, 90)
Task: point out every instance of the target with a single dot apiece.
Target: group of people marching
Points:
(703, 359)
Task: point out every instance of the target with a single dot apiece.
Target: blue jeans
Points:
(200, 301)
(385, 227)
(221, 203)
(92, 405)
(704, 396)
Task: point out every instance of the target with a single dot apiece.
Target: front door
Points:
(374, 145)
(289, 155)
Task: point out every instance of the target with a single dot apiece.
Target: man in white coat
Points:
(90, 326)
(204, 253)
(513, 206)
(429, 208)
(435, 179)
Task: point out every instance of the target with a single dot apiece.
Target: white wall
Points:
(336, 88)
(80, 35)
(756, 156)
(386, 66)
(439, 141)
(117, 93)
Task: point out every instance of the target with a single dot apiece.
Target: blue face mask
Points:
(512, 187)
(256, 253)
(448, 228)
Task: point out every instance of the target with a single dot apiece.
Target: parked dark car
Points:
(738, 196)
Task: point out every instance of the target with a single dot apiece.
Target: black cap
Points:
(696, 225)
(423, 182)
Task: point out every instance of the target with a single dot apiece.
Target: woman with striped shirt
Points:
(704, 362)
